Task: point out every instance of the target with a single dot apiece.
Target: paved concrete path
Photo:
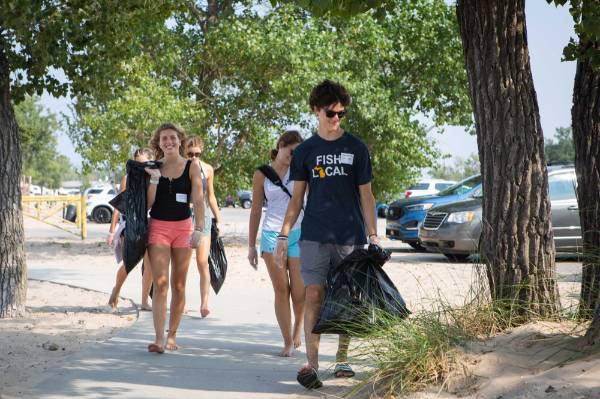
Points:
(231, 354)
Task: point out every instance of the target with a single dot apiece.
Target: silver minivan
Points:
(454, 229)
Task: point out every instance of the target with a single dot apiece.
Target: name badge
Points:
(346, 158)
(179, 197)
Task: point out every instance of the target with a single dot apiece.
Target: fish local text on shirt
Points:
(320, 171)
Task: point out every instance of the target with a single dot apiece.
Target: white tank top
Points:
(277, 202)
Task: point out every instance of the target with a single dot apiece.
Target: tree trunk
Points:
(592, 337)
(517, 240)
(586, 137)
(13, 270)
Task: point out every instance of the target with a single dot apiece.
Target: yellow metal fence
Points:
(50, 209)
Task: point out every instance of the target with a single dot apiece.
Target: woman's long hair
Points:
(155, 141)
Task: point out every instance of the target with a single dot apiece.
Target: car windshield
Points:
(462, 187)
(419, 186)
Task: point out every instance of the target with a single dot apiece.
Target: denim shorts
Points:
(207, 222)
(268, 242)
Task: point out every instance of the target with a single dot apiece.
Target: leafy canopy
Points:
(81, 38)
(240, 78)
(586, 17)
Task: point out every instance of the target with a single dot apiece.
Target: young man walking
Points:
(335, 167)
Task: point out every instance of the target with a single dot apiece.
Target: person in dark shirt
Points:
(171, 232)
(140, 155)
(335, 167)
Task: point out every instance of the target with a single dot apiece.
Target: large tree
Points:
(517, 240)
(586, 135)
(241, 77)
(86, 40)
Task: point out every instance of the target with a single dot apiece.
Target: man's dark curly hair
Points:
(327, 93)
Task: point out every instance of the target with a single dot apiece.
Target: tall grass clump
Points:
(409, 354)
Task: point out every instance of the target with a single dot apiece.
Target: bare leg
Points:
(114, 296)
(281, 287)
(342, 353)
(315, 293)
(202, 262)
(181, 262)
(146, 283)
(160, 256)
(297, 291)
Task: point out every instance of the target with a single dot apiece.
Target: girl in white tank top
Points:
(287, 281)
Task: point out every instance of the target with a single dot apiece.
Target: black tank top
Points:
(173, 197)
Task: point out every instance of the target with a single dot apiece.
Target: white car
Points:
(35, 190)
(427, 187)
(98, 208)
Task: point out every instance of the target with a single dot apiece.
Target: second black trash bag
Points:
(136, 228)
(217, 261)
(359, 294)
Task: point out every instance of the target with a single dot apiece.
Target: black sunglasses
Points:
(330, 113)
(194, 154)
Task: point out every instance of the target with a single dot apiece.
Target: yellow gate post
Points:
(83, 218)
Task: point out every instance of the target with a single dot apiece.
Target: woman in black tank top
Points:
(171, 235)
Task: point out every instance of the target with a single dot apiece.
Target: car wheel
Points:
(102, 214)
(417, 246)
(457, 257)
(246, 204)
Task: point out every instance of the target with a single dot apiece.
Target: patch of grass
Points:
(405, 355)
(408, 355)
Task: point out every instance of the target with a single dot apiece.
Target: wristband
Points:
(154, 180)
(198, 229)
(282, 237)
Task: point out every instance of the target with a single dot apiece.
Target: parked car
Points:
(454, 229)
(35, 190)
(428, 187)
(405, 215)
(245, 198)
(98, 208)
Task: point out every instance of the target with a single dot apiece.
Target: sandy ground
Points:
(60, 321)
(538, 361)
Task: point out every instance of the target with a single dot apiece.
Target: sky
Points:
(548, 28)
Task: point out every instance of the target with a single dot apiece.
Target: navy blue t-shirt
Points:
(333, 170)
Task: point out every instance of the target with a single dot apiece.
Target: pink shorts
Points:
(174, 234)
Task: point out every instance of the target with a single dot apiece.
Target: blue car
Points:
(404, 216)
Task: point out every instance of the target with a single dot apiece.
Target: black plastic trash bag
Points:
(217, 261)
(136, 228)
(119, 202)
(359, 295)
